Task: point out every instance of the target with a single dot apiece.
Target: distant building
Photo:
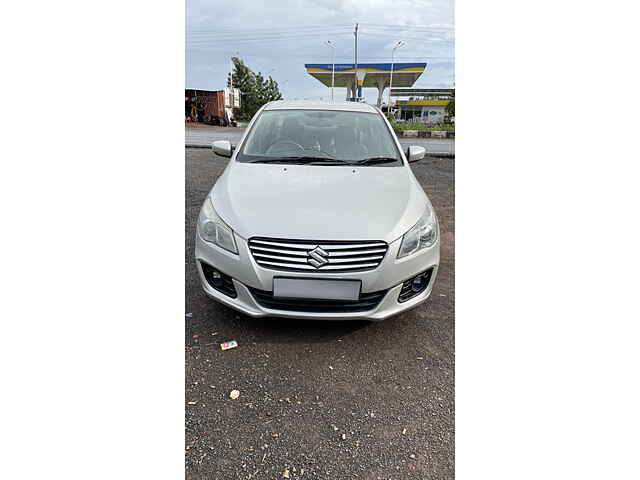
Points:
(426, 105)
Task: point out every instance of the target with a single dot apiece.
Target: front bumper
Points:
(246, 274)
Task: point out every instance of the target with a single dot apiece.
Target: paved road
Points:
(204, 135)
(303, 384)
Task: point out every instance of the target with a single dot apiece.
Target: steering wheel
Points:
(280, 146)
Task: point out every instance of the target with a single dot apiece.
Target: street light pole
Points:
(355, 33)
(398, 45)
(333, 64)
(355, 65)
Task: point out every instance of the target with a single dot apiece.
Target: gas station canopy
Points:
(375, 75)
(404, 74)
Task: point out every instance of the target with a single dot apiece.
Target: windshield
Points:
(320, 137)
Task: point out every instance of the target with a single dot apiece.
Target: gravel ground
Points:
(322, 400)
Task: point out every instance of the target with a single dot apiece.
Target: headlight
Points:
(422, 235)
(213, 229)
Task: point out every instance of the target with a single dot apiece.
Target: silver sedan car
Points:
(318, 216)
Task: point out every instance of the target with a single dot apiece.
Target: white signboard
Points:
(232, 98)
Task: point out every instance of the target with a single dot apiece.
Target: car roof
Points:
(318, 105)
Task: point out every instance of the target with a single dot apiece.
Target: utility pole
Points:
(231, 82)
(333, 65)
(355, 71)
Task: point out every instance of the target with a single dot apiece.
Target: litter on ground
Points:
(228, 345)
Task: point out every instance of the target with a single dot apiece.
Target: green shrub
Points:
(447, 127)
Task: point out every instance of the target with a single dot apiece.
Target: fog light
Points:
(418, 283)
(216, 278)
(415, 285)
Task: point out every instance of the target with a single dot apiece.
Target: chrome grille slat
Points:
(338, 256)
(354, 245)
(305, 266)
(282, 259)
(302, 245)
(356, 252)
(308, 267)
(377, 258)
(301, 253)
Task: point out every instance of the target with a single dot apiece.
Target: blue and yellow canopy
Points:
(404, 74)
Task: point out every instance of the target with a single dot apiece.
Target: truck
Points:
(213, 107)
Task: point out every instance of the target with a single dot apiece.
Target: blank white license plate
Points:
(319, 289)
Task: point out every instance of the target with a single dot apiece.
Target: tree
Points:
(272, 91)
(451, 106)
(254, 88)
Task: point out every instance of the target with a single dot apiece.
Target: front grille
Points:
(317, 255)
(367, 301)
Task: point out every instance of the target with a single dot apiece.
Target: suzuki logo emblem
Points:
(317, 257)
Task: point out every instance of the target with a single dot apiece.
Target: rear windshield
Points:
(346, 137)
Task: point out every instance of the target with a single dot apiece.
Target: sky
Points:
(277, 37)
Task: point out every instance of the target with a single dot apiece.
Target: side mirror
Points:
(415, 153)
(223, 148)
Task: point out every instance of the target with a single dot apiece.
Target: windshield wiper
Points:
(327, 161)
(374, 160)
(304, 160)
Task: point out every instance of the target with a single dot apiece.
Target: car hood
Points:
(318, 202)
